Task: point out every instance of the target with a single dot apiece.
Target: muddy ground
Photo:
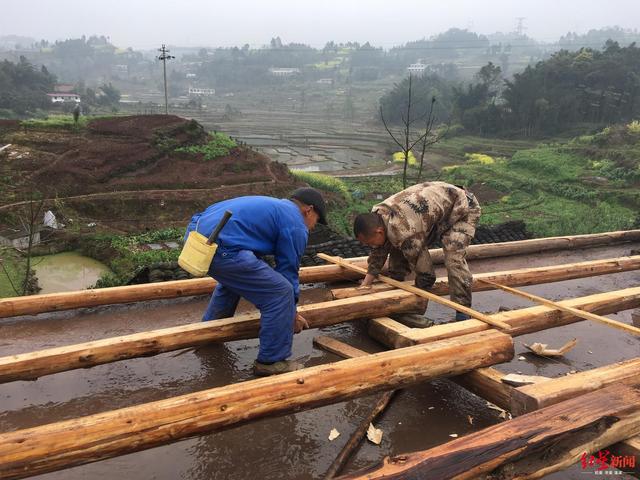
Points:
(295, 446)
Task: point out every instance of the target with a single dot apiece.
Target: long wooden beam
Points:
(35, 304)
(517, 278)
(530, 446)
(577, 312)
(533, 397)
(527, 320)
(484, 382)
(487, 384)
(32, 365)
(64, 444)
(417, 291)
(52, 302)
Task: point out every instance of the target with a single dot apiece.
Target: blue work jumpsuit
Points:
(259, 226)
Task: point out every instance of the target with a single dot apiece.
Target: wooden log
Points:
(74, 442)
(530, 446)
(347, 351)
(630, 447)
(487, 383)
(536, 245)
(532, 319)
(337, 347)
(52, 302)
(518, 278)
(389, 332)
(32, 365)
(578, 313)
(484, 382)
(35, 304)
(358, 435)
(421, 293)
(533, 397)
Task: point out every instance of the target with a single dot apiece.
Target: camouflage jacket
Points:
(415, 218)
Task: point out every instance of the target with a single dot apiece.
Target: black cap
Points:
(311, 196)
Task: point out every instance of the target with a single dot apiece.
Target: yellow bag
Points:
(197, 254)
(198, 251)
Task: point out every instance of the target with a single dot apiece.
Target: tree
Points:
(407, 138)
(28, 222)
(23, 87)
(111, 95)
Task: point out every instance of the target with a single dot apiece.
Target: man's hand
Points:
(300, 323)
(367, 282)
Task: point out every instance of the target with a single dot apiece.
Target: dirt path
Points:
(133, 194)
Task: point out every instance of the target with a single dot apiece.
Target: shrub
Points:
(219, 145)
(634, 128)
(479, 158)
(323, 182)
(64, 122)
(398, 157)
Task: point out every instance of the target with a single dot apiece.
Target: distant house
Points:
(19, 238)
(416, 68)
(191, 75)
(325, 81)
(64, 88)
(64, 97)
(284, 72)
(120, 69)
(200, 92)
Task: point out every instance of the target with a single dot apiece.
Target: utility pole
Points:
(164, 56)
(520, 28)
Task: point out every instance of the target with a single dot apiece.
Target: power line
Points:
(164, 56)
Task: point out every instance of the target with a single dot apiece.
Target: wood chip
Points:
(520, 380)
(470, 419)
(453, 435)
(542, 350)
(374, 434)
(333, 434)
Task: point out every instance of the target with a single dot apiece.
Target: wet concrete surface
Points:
(294, 446)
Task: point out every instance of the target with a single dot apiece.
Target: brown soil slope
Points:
(125, 172)
(127, 153)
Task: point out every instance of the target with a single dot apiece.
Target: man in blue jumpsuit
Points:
(262, 226)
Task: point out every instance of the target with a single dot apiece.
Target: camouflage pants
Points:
(454, 241)
(454, 244)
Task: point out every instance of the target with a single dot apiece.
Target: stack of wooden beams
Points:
(417, 355)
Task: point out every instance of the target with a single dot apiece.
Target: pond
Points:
(67, 271)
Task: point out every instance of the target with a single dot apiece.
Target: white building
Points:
(19, 238)
(64, 97)
(201, 91)
(416, 68)
(284, 72)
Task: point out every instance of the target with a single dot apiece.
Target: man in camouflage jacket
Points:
(404, 225)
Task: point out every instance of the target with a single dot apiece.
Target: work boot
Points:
(413, 320)
(458, 318)
(283, 366)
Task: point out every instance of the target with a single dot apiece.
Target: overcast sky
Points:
(146, 23)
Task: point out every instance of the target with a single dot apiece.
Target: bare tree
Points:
(430, 137)
(29, 223)
(407, 134)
